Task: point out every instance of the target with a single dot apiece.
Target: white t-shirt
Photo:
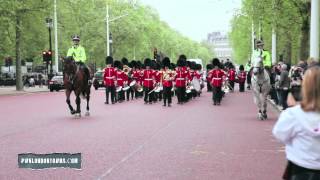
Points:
(300, 132)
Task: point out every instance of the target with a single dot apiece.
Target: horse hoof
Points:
(265, 116)
(77, 115)
(72, 112)
(260, 116)
(87, 113)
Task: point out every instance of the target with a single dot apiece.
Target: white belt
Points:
(119, 79)
(216, 78)
(180, 78)
(148, 79)
(110, 77)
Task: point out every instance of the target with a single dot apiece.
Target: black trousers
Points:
(181, 94)
(216, 94)
(295, 172)
(209, 87)
(148, 97)
(231, 84)
(121, 96)
(284, 96)
(110, 90)
(128, 92)
(167, 95)
(241, 86)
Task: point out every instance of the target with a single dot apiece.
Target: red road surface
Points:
(136, 141)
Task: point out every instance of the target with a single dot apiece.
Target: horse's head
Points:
(257, 65)
(69, 66)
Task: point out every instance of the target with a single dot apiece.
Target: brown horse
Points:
(76, 80)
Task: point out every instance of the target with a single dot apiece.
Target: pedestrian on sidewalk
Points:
(284, 84)
(298, 128)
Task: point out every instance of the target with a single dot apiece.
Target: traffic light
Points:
(44, 55)
(47, 55)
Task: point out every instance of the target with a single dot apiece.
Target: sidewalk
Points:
(11, 90)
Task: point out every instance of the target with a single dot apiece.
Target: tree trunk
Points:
(305, 40)
(288, 54)
(19, 85)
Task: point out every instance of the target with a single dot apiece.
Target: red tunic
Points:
(109, 76)
(148, 78)
(216, 76)
(121, 78)
(167, 82)
(181, 77)
(232, 75)
(242, 76)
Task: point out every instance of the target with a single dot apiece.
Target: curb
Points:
(19, 93)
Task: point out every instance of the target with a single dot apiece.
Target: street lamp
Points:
(108, 20)
(110, 43)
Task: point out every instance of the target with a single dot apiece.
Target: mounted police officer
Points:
(260, 51)
(79, 55)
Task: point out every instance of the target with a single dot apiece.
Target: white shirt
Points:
(300, 132)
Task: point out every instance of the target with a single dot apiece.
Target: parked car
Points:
(56, 83)
(98, 80)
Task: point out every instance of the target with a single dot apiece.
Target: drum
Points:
(118, 89)
(133, 83)
(125, 88)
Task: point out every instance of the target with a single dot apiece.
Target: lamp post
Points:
(50, 25)
(110, 43)
(108, 20)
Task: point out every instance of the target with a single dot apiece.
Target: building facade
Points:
(221, 45)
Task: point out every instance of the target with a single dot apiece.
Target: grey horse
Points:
(261, 86)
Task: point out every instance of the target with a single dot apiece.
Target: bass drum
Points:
(196, 84)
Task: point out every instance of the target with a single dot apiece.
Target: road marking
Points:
(138, 149)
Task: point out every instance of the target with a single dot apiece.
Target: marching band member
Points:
(109, 78)
(158, 74)
(181, 80)
(231, 76)
(166, 80)
(127, 74)
(148, 77)
(242, 78)
(216, 75)
(121, 78)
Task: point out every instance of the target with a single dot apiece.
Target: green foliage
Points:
(289, 18)
(134, 36)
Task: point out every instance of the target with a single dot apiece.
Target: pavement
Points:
(134, 141)
(11, 90)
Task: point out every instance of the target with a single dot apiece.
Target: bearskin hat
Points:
(166, 62)
(215, 62)
(124, 61)
(193, 65)
(147, 62)
(209, 66)
(198, 67)
(109, 60)
(153, 64)
(117, 64)
(133, 64)
(172, 66)
(181, 62)
(241, 68)
(183, 57)
(139, 64)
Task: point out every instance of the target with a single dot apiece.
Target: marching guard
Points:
(166, 80)
(148, 77)
(109, 80)
(231, 76)
(181, 79)
(242, 78)
(216, 76)
(121, 80)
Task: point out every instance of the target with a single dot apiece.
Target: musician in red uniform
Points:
(242, 78)
(181, 81)
(216, 75)
(120, 77)
(209, 68)
(231, 76)
(167, 77)
(148, 77)
(109, 78)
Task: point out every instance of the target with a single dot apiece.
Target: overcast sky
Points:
(196, 18)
